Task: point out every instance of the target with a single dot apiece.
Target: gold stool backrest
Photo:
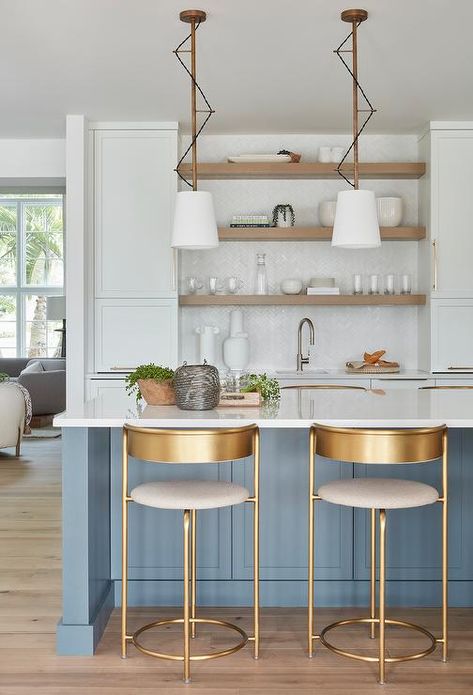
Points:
(379, 445)
(190, 445)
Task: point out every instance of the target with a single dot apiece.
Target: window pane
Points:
(8, 218)
(42, 338)
(7, 258)
(44, 252)
(7, 326)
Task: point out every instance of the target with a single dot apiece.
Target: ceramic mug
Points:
(325, 154)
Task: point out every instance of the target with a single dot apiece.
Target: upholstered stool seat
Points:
(189, 494)
(378, 493)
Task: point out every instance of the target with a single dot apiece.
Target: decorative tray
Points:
(372, 369)
(239, 400)
(247, 158)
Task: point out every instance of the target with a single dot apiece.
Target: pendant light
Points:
(356, 218)
(194, 217)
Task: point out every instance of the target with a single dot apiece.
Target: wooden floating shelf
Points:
(302, 299)
(304, 170)
(310, 233)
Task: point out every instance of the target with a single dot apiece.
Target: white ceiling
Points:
(266, 65)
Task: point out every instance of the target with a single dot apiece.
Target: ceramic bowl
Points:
(327, 212)
(389, 211)
(291, 286)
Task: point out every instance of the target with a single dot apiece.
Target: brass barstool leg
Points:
(444, 550)
(193, 570)
(382, 593)
(256, 462)
(187, 646)
(124, 640)
(310, 601)
(373, 574)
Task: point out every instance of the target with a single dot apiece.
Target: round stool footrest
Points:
(369, 621)
(196, 657)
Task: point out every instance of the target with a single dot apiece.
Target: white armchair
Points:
(12, 416)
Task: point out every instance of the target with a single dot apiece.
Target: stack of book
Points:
(251, 221)
(323, 290)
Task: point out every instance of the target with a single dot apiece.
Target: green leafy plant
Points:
(267, 388)
(146, 371)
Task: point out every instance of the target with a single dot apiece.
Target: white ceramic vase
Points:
(236, 348)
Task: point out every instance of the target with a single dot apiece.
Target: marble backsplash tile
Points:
(342, 332)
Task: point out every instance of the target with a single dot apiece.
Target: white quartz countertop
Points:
(296, 409)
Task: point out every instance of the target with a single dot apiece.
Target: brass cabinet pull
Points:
(462, 368)
(435, 259)
(173, 269)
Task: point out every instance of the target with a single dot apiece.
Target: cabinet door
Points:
(135, 187)
(135, 331)
(389, 384)
(414, 536)
(97, 387)
(452, 208)
(284, 494)
(452, 333)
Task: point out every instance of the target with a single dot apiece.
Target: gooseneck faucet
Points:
(301, 360)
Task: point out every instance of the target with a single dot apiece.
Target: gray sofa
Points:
(47, 387)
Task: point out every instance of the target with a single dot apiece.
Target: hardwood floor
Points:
(30, 604)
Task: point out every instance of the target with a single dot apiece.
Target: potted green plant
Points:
(284, 215)
(261, 383)
(152, 382)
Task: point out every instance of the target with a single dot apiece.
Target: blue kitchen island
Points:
(92, 511)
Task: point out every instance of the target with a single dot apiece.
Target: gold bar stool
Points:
(378, 446)
(189, 446)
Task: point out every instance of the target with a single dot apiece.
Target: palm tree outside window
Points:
(31, 269)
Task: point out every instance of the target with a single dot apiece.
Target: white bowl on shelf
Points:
(327, 212)
(389, 211)
(291, 286)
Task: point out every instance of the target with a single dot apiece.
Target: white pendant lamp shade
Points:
(356, 221)
(194, 221)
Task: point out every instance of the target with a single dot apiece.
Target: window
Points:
(31, 269)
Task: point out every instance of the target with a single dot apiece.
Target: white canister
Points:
(207, 339)
(236, 348)
(327, 212)
(389, 211)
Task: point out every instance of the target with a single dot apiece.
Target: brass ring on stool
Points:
(375, 621)
(196, 657)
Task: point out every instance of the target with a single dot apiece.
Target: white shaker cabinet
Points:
(134, 191)
(451, 208)
(135, 331)
(452, 334)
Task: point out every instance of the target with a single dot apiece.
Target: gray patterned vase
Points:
(197, 386)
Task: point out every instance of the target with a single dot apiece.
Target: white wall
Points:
(29, 161)
(342, 332)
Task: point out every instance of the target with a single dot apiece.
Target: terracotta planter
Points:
(157, 392)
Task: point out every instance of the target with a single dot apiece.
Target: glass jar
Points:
(261, 283)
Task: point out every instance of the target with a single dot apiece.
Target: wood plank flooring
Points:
(30, 604)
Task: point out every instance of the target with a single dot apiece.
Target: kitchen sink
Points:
(306, 372)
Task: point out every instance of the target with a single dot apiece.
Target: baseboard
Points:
(82, 640)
